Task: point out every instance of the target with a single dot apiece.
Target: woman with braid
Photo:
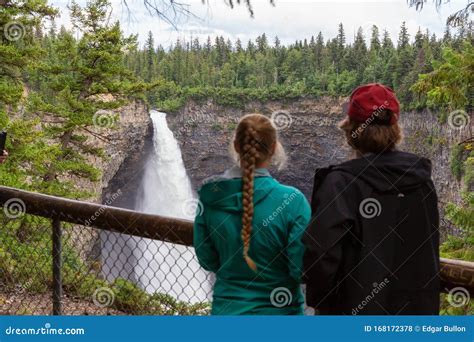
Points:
(249, 231)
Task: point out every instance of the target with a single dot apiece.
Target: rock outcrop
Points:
(127, 153)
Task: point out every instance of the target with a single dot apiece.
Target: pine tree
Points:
(238, 46)
(208, 46)
(318, 51)
(277, 43)
(360, 52)
(20, 54)
(389, 58)
(340, 47)
(375, 39)
(404, 58)
(387, 43)
(150, 53)
(262, 43)
(88, 83)
(447, 37)
(403, 37)
(419, 39)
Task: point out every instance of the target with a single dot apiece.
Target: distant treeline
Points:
(232, 72)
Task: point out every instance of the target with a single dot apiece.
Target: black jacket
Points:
(372, 246)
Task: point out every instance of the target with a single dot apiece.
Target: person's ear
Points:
(343, 122)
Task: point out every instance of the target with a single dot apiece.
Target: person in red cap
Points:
(372, 246)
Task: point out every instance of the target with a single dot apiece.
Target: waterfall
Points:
(166, 190)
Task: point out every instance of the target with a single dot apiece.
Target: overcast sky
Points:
(289, 20)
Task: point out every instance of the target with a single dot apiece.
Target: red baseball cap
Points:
(369, 99)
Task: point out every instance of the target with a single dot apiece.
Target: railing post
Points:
(57, 265)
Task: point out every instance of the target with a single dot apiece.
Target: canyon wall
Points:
(311, 140)
(122, 134)
(123, 140)
(126, 157)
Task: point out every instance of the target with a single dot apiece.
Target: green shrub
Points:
(446, 307)
(26, 262)
(457, 247)
(170, 105)
(456, 161)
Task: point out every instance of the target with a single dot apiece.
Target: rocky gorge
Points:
(310, 137)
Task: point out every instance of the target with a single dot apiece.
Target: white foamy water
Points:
(166, 190)
(154, 265)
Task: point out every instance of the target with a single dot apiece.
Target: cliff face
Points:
(126, 155)
(127, 142)
(123, 146)
(312, 140)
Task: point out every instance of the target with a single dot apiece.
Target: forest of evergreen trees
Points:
(57, 79)
(264, 69)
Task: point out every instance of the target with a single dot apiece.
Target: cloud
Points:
(288, 19)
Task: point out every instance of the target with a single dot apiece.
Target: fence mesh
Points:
(103, 273)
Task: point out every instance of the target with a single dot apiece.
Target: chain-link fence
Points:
(99, 272)
(75, 258)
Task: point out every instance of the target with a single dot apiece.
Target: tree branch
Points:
(467, 141)
(455, 19)
(97, 135)
(171, 10)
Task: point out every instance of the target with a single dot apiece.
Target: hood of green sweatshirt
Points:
(224, 192)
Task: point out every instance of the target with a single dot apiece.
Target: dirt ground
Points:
(23, 303)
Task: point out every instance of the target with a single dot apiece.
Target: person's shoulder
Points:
(333, 174)
(413, 158)
(224, 176)
(212, 179)
(293, 200)
(289, 192)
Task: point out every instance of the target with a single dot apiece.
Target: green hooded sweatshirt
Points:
(281, 214)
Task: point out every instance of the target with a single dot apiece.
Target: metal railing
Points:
(75, 227)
